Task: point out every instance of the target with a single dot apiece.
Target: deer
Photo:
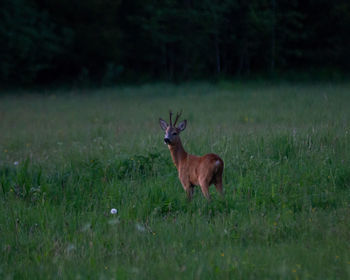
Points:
(192, 170)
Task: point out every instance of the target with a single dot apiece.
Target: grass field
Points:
(68, 157)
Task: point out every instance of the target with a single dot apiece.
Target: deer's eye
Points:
(174, 133)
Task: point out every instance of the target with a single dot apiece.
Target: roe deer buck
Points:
(193, 170)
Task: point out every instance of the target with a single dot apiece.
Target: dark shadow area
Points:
(104, 42)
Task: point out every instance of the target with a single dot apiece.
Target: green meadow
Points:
(67, 157)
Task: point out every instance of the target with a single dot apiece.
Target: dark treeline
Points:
(45, 41)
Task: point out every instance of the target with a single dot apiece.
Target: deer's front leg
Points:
(189, 192)
(188, 187)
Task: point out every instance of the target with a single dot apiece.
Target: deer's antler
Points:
(170, 114)
(177, 117)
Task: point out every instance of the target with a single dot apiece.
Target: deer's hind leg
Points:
(204, 184)
(218, 186)
(217, 180)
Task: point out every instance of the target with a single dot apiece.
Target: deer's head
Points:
(172, 131)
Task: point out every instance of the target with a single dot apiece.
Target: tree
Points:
(30, 41)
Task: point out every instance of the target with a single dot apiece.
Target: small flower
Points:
(16, 163)
(114, 211)
(222, 254)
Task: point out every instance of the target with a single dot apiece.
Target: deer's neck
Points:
(178, 154)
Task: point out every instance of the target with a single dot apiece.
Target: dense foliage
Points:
(107, 40)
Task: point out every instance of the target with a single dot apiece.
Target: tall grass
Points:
(68, 157)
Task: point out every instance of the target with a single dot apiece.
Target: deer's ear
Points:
(163, 124)
(182, 125)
